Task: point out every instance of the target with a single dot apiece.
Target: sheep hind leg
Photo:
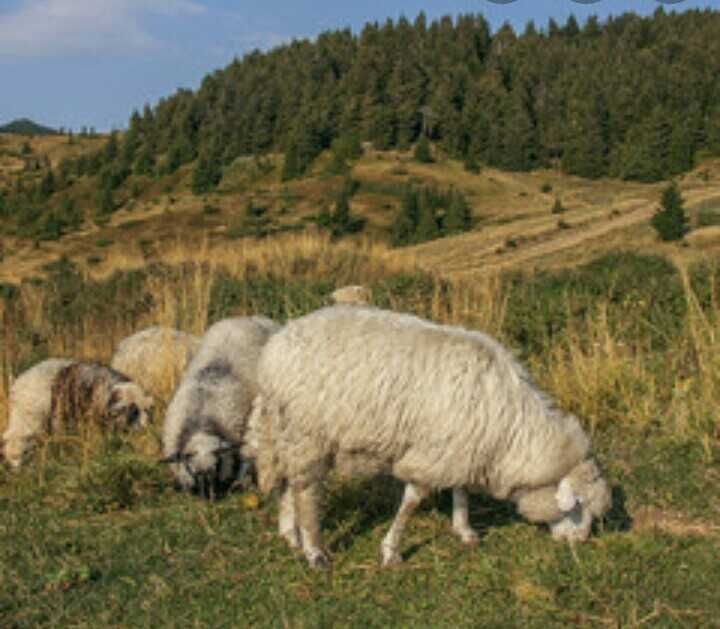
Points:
(461, 517)
(389, 548)
(287, 523)
(306, 502)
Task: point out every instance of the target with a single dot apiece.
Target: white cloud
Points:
(49, 27)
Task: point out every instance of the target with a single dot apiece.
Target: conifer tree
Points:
(680, 147)
(458, 217)
(670, 220)
(71, 215)
(47, 185)
(105, 201)
(585, 148)
(145, 164)
(712, 131)
(406, 220)
(427, 228)
(520, 144)
(340, 217)
(207, 173)
(422, 152)
(291, 164)
(110, 152)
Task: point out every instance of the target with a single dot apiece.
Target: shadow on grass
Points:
(617, 519)
(355, 508)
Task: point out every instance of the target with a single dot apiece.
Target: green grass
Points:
(116, 545)
(107, 541)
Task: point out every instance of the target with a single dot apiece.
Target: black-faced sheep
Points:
(58, 395)
(367, 391)
(207, 416)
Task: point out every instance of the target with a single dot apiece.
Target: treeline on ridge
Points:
(631, 97)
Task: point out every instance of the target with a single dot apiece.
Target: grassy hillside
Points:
(93, 532)
(514, 225)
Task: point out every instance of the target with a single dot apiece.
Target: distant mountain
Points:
(23, 126)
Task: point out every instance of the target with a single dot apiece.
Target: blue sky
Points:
(76, 63)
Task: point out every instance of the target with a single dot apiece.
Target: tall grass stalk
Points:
(598, 377)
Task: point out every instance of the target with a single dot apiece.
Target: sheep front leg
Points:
(412, 497)
(287, 525)
(461, 518)
(306, 511)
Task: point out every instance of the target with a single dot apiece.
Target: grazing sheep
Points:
(352, 296)
(357, 295)
(205, 421)
(155, 356)
(59, 394)
(369, 391)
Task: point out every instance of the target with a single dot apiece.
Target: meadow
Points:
(92, 531)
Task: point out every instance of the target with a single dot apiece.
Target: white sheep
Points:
(155, 356)
(57, 394)
(358, 295)
(369, 391)
(206, 418)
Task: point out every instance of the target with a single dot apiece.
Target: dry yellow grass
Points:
(590, 371)
(181, 300)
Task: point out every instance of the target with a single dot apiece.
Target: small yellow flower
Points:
(250, 501)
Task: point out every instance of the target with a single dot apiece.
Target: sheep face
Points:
(129, 406)
(570, 506)
(208, 465)
(581, 496)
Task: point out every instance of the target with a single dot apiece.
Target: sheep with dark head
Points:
(59, 395)
(206, 419)
(367, 391)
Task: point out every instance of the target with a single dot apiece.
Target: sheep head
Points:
(129, 406)
(208, 464)
(570, 506)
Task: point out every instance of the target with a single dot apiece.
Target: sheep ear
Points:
(173, 458)
(225, 448)
(565, 496)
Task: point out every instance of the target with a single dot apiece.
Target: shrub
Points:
(707, 217)
(423, 153)
(558, 207)
(670, 220)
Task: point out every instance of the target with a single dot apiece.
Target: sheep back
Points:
(155, 357)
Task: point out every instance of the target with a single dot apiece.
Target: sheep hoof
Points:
(318, 560)
(469, 537)
(390, 558)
